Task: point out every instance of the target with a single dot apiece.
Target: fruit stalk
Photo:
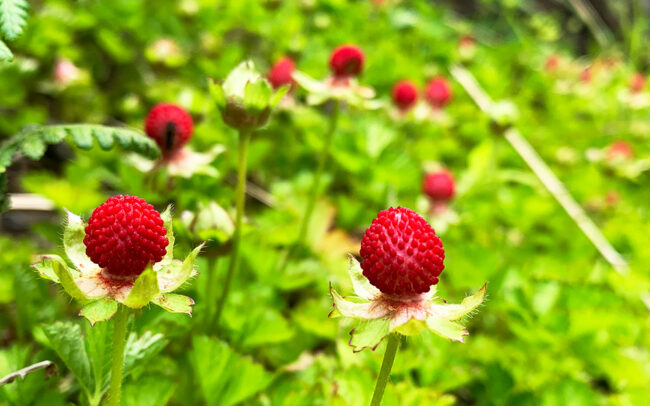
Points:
(117, 357)
(322, 160)
(386, 366)
(240, 195)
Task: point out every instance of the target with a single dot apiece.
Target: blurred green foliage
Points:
(560, 327)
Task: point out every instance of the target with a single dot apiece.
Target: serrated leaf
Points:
(362, 286)
(257, 95)
(148, 390)
(33, 146)
(81, 136)
(140, 349)
(225, 377)
(456, 311)
(5, 52)
(173, 276)
(99, 310)
(73, 243)
(446, 328)
(65, 276)
(103, 137)
(99, 340)
(175, 303)
(168, 224)
(145, 288)
(368, 334)
(13, 15)
(67, 341)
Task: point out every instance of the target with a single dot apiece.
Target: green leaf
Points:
(99, 310)
(64, 276)
(368, 334)
(175, 303)
(173, 276)
(99, 339)
(456, 311)
(33, 146)
(257, 95)
(145, 288)
(225, 377)
(140, 349)
(446, 328)
(82, 136)
(73, 243)
(67, 341)
(5, 52)
(148, 390)
(13, 15)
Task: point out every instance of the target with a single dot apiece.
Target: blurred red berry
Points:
(170, 126)
(438, 92)
(585, 75)
(619, 150)
(439, 186)
(552, 63)
(124, 235)
(405, 94)
(347, 60)
(402, 255)
(466, 41)
(281, 72)
(637, 83)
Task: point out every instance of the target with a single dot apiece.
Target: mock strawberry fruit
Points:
(405, 94)
(637, 83)
(281, 72)
(552, 63)
(347, 60)
(170, 126)
(619, 151)
(438, 92)
(439, 186)
(124, 235)
(402, 255)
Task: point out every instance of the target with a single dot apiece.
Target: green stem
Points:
(244, 141)
(322, 160)
(386, 365)
(210, 289)
(117, 359)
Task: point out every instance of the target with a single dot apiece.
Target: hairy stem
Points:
(244, 141)
(386, 366)
(322, 161)
(117, 356)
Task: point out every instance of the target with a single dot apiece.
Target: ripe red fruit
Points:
(281, 72)
(439, 186)
(402, 255)
(552, 63)
(438, 92)
(170, 126)
(347, 60)
(123, 235)
(405, 94)
(619, 150)
(637, 83)
(585, 75)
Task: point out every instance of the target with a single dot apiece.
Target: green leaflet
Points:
(226, 378)
(67, 341)
(140, 349)
(13, 15)
(175, 303)
(5, 52)
(145, 288)
(368, 334)
(99, 310)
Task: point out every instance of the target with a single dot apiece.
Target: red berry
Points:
(438, 92)
(402, 255)
(552, 63)
(637, 83)
(347, 60)
(170, 126)
(439, 186)
(281, 72)
(123, 235)
(619, 150)
(405, 94)
(585, 75)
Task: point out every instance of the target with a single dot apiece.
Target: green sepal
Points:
(217, 93)
(412, 327)
(64, 275)
(145, 288)
(168, 224)
(278, 95)
(368, 334)
(173, 275)
(73, 243)
(235, 84)
(447, 328)
(257, 95)
(308, 83)
(175, 303)
(347, 308)
(456, 311)
(99, 310)
(361, 285)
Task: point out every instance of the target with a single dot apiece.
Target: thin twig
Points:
(49, 366)
(544, 174)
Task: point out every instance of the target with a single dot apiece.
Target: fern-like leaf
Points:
(32, 140)
(5, 52)
(13, 15)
